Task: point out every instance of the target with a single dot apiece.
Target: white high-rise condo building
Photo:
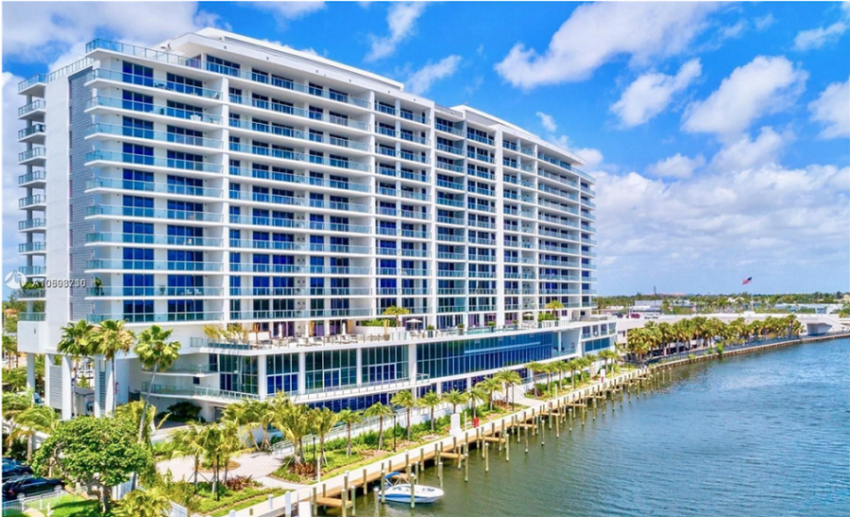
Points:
(270, 206)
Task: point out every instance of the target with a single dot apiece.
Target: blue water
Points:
(759, 435)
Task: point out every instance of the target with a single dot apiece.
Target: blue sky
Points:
(719, 133)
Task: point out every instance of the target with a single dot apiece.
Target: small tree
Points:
(141, 503)
(379, 410)
(76, 342)
(324, 420)
(27, 423)
(155, 352)
(406, 400)
(455, 398)
(349, 417)
(93, 451)
(188, 442)
(555, 306)
(430, 400)
(398, 312)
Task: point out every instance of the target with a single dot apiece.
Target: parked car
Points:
(31, 486)
(13, 469)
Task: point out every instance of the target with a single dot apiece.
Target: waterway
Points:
(759, 435)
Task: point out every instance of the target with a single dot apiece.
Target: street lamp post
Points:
(394, 432)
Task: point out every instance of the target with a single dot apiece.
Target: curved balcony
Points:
(150, 161)
(297, 134)
(298, 179)
(256, 150)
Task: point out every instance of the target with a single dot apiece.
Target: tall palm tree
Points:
(430, 400)
(133, 412)
(294, 422)
(398, 312)
(248, 414)
(323, 420)
(188, 442)
(455, 398)
(212, 441)
(36, 419)
(110, 339)
(574, 365)
(76, 341)
(555, 306)
(510, 378)
(349, 417)
(477, 394)
(535, 368)
(406, 400)
(155, 352)
(379, 410)
(144, 503)
(491, 385)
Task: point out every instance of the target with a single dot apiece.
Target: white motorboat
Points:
(400, 492)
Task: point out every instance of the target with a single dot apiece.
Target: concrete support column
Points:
(67, 388)
(262, 373)
(31, 370)
(359, 365)
(97, 366)
(302, 373)
(111, 388)
(411, 366)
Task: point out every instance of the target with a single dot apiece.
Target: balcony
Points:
(147, 134)
(163, 240)
(299, 291)
(32, 247)
(300, 157)
(32, 179)
(450, 167)
(32, 111)
(34, 156)
(151, 161)
(292, 111)
(33, 133)
(146, 186)
(298, 179)
(450, 149)
(30, 316)
(32, 224)
(150, 82)
(153, 109)
(32, 294)
(37, 202)
(33, 270)
(151, 265)
(297, 134)
(156, 213)
(298, 224)
(148, 292)
(174, 317)
(33, 86)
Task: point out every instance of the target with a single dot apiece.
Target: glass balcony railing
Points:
(31, 224)
(35, 152)
(162, 84)
(30, 247)
(138, 292)
(36, 200)
(36, 105)
(152, 161)
(32, 81)
(449, 129)
(287, 109)
(152, 265)
(156, 317)
(31, 316)
(37, 175)
(31, 130)
(33, 270)
(147, 186)
(449, 167)
(159, 136)
(158, 213)
(142, 238)
(153, 109)
(450, 149)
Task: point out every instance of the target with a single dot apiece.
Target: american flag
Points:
(747, 280)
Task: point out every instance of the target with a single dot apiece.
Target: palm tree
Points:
(490, 385)
(212, 442)
(349, 417)
(133, 411)
(36, 419)
(574, 365)
(248, 414)
(155, 352)
(511, 378)
(430, 400)
(294, 422)
(398, 312)
(188, 441)
(144, 503)
(535, 368)
(77, 342)
(323, 421)
(406, 400)
(555, 306)
(10, 348)
(477, 394)
(455, 397)
(379, 410)
(110, 338)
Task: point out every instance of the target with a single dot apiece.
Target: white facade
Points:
(229, 181)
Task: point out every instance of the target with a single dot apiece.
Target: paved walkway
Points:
(258, 465)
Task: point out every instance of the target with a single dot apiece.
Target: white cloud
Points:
(285, 11)
(591, 157)
(733, 31)
(746, 153)
(652, 92)
(548, 121)
(764, 22)
(763, 86)
(11, 192)
(698, 233)
(53, 28)
(422, 80)
(832, 110)
(817, 38)
(597, 33)
(676, 166)
(401, 19)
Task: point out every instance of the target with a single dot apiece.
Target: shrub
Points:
(239, 482)
(376, 323)
(184, 412)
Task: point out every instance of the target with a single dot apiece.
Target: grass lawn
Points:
(246, 503)
(205, 503)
